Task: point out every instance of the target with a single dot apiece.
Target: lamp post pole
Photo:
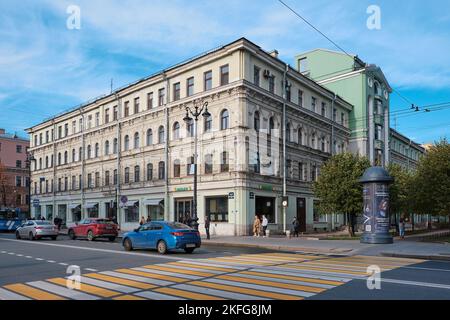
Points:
(196, 113)
(30, 159)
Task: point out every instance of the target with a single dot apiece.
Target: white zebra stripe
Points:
(8, 295)
(62, 291)
(137, 278)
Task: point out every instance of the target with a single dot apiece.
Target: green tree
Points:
(431, 185)
(338, 186)
(400, 193)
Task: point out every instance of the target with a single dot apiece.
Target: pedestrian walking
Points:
(142, 221)
(207, 223)
(43, 218)
(256, 226)
(296, 225)
(264, 225)
(401, 228)
(149, 219)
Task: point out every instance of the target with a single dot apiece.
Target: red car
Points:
(93, 228)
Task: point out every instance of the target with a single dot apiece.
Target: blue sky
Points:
(46, 68)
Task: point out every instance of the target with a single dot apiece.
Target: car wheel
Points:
(31, 236)
(112, 239)
(54, 237)
(162, 247)
(189, 250)
(72, 234)
(128, 245)
(17, 235)
(90, 235)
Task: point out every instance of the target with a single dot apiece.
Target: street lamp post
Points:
(196, 113)
(29, 160)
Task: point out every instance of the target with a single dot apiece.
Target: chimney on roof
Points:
(274, 53)
(2, 131)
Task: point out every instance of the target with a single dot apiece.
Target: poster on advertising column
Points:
(381, 208)
(368, 216)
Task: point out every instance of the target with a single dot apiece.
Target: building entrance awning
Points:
(131, 203)
(74, 205)
(90, 205)
(153, 202)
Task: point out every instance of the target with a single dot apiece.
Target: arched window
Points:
(224, 162)
(256, 121)
(300, 136)
(40, 163)
(115, 146)
(208, 124)
(126, 143)
(190, 128)
(66, 157)
(269, 136)
(149, 137)
(127, 175)
(97, 150)
(59, 158)
(161, 171)
(136, 140)
(161, 134)
(224, 120)
(176, 131)
(74, 156)
(89, 151)
(208, 164)
(176, 168)
(137, 174)
(46, 162)
(149, 172)
(106, 147)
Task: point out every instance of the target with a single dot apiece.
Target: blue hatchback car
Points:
(163, 236)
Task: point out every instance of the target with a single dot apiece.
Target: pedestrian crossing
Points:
(263, 276)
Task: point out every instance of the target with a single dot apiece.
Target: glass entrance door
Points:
(183, 209)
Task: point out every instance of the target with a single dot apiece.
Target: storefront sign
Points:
(178, 189)
(266, 187)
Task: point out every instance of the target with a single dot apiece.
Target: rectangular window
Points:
(47, 135)
(18, 164)
(300, 98)
(161, 96)
(132, 213)
(288, 93)
(127, 175)
(136, 105)
(217, 209)
(256, 75)
(74, 183)
(334, 114)
(97, 119)
(313, 103)
(59, 132)
(190, 86)
(303, 65)
(126, 109)
(224, 163)
(18, 148)
(176, 91)
(107, 116)
(89, 180)
(224, 75)
(342, 118)
(272, 84)
(18, 181)
(300, 171)
(97, 179)
(74, 129)
(115, 177)
(107, 178)
(115, 113)
(66, 183)
(80, 125)
(149, 100)
(190, 166)
(323, 111)
(208, 80)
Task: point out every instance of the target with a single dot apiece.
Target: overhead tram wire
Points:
(334, 43)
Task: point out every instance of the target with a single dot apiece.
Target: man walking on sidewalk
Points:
(207, 223)
(265, 222)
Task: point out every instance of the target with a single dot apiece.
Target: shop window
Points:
(217, 209)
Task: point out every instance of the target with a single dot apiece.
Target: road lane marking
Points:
(187, 294)
(191, 268)
(39, 259)
(92, 270)
(182, 271)
(19, 255)
(8, 295)
(330, 270)
(283, 275)
(51, 261)
(32, 292)
(108, 285)
(157, 296)
(243, 278)
(204, 262)
(238, 289)
(166, 273)
(299, 273)
(63, 264)
(62, 291)
(11, 253)
(104, 293)
(147, 273)
(137, 278)
(29, 257)
(199, 266)
(218, 293)
(125, 282)
(275, 278)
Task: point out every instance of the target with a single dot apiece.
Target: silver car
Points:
(36, 229)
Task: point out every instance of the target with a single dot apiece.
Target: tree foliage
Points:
(431, 185)
(338, 186)
(400, 193)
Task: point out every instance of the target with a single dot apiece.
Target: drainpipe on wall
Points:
(333, 151)
(166, 150)
(119, 150)
(284, 144)
(54, 171)
(83, 166)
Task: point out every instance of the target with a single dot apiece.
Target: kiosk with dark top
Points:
(376, 182)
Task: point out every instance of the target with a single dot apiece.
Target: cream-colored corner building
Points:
(134, 148)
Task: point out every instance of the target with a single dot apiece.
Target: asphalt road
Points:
(262, 273)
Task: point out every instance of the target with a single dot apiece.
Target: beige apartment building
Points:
(130, 154)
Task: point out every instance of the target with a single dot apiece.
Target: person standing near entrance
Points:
(256, 226)
(296, 225)
(142, 221)
(264, 224)
(207, 224)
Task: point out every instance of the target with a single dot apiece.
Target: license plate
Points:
(190, 245)
(108, 227)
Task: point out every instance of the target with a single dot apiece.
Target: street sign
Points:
(252, 195)
(36, 203)
(231, 195)
(124, 199)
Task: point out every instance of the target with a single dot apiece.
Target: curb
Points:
(416, 256)
(276, 247)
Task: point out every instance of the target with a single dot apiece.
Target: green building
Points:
(363, 85)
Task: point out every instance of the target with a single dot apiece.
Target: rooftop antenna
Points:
(395, 123)
(112, 81)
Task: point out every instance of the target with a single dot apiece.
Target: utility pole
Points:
(284, 145)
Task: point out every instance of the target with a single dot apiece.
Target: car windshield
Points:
(104, 221)
(43, 223)
(177, 225)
